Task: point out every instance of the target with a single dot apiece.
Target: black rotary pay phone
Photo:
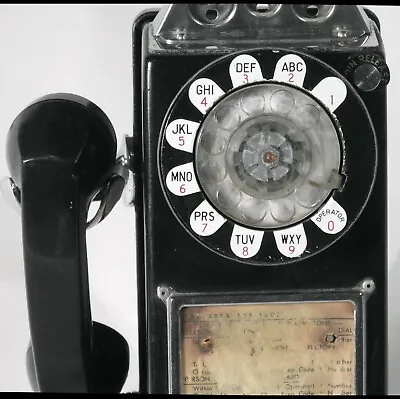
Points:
(258, 164)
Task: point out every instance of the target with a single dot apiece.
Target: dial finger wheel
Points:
(259, 158)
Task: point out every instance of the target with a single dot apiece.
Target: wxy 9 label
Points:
(291, 242)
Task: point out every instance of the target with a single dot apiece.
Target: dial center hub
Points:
(267, 152)
(270, 157)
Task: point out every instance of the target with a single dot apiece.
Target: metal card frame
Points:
(175, 301)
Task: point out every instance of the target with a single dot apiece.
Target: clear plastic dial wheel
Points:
(268, 155)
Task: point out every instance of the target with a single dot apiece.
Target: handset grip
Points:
(54, 232)
(61, 152)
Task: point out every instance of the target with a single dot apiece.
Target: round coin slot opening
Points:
(312, 10)
(264, 10)
(212, 14)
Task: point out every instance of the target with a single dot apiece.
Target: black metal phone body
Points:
(168, 256)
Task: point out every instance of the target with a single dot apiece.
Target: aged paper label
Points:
(305, 348)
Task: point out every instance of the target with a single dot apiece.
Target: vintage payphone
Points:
(258, 166)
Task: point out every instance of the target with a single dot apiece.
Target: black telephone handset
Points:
(258, 162)
(61, 152)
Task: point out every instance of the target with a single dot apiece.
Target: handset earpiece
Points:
(61, 153)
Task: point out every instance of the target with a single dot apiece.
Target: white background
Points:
(86, 50)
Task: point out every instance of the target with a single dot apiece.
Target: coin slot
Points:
(312, 11)
(264, 10)
(212, 14)
(262, 7)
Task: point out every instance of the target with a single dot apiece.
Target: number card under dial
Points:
(308, 343)
(278, 349)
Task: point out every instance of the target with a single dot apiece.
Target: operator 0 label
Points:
(180, 134)
(291, 69)
(291, 242)
(331, 91)
(244, 69)
(332, 218)
(246, 243)
(203, 93)
(205, 220)
(181, 180)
